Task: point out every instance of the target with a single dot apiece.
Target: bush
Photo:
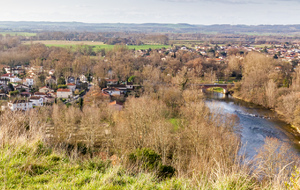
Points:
(62, 86)
(149, 160)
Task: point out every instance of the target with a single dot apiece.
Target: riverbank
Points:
(281, 115)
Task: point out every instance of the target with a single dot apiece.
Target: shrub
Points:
(149, 160)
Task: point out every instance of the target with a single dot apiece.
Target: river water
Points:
(255, 123)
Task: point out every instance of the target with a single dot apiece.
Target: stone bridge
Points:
(226, 87)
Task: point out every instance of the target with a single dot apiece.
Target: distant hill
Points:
(28, 26)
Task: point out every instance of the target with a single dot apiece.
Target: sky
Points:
(207, 12)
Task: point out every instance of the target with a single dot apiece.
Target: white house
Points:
(71, 86)
(51, 72)
(36, 101)
(7, 76)
(15, 79)
(82, 78)
(28, 81)
(19, 105)
(64, 93)
(7, 69)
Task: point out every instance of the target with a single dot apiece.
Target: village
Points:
(21, 94)
(19, 89)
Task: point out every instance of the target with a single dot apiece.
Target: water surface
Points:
(256, 123)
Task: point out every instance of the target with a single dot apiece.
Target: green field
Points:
(96, 45)
(18, 33)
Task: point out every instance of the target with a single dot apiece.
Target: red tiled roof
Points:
(71, 84)
(63, 90)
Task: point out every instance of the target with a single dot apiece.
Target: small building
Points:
(71, 86)
(45, 89)
(50, 80)
(40, 94)
(4, 81)
(7, 76)
(15, 79)
(22, 87)
(28, 81)
(116, 105)
(19, 105)
(111, 81)
(25, 94)
(51, 72)
(64, 93)
(129, 85)
(112, 91)
(37, 101)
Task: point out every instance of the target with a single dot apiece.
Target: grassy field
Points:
(34, 166)
(18, 33)
(95, 45)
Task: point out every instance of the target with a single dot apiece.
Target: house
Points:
(3, 81)
(40, 94)
(17, 71)
(111, 81)
(71, 86)
(83, 78)
(22, 87)
(116, 105)
(7, 76)
(19, 105)
(45, 89)
(51, 72)
(121, 87)
(15, 79)
(112, 91)
(28, 81)
(64, 93)
(7, 69)
(36, 101)
(50, 80)
(49, 100)
(25, 94)
(129, 85)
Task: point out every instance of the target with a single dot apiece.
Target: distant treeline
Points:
(111, 38)
(147, 28)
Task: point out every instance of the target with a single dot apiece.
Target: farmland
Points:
(27, 34)
(95, 45)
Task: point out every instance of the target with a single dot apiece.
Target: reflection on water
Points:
(255, 122)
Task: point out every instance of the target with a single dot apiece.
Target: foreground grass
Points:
(37, 167)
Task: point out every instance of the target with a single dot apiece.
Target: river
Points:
(255, 123)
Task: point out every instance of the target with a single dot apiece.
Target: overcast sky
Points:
(206, 12)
